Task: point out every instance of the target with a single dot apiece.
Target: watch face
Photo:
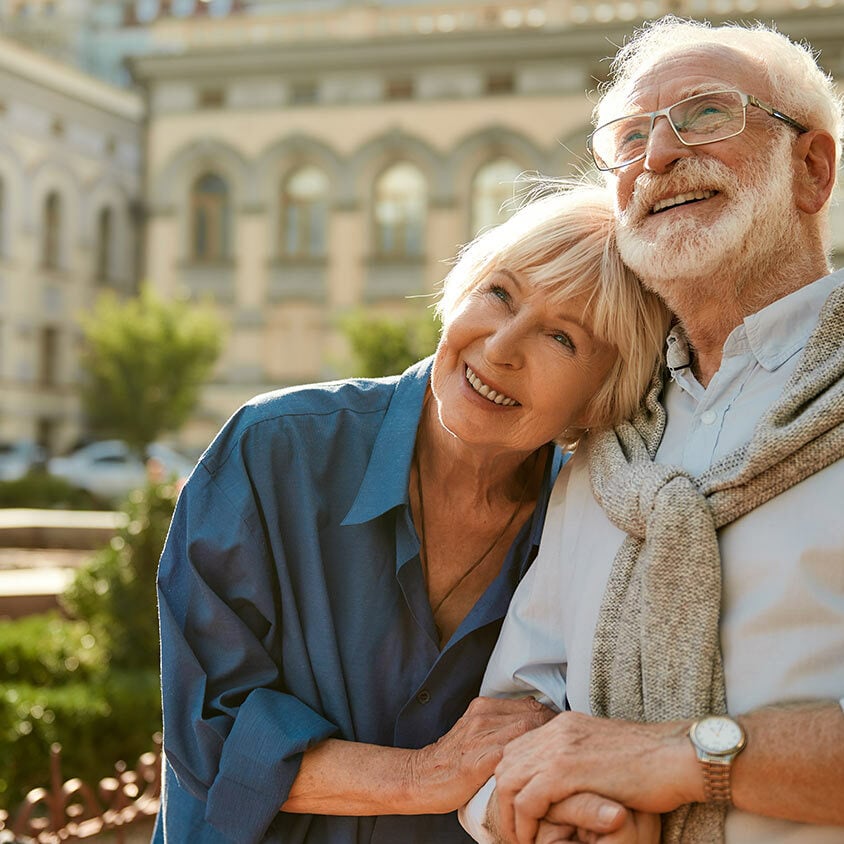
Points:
(718, 735)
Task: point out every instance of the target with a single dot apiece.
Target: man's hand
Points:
(578, 819)
(648, 767)
(444, 775)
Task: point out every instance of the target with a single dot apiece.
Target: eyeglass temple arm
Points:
(777, 114)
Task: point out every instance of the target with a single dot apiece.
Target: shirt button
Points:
(424, 696)
(708, 417)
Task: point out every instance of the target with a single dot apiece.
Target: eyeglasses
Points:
(701, 119)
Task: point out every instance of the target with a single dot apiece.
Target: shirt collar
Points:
(773, 334)
(387, 475)
(782, 328)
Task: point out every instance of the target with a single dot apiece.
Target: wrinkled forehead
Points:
(674, 74)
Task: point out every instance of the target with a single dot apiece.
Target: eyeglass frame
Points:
(746, 100)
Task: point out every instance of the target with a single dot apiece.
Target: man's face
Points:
(694, 212)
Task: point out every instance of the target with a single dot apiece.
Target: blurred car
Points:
(20, 458)
(110, 470)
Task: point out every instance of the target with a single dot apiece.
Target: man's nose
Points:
(664, 147)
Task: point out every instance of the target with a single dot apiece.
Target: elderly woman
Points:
(342, 557)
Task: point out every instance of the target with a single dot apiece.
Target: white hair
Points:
(800, 87)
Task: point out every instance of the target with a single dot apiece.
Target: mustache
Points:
(687, 175)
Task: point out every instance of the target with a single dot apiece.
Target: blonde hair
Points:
(800, 87)
(563, 242)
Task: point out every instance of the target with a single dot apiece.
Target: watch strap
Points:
(716, 781)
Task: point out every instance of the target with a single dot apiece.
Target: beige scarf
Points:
(657, 653)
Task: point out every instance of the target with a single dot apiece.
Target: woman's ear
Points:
(815, 161)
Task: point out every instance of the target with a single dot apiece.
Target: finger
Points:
(551, 833)
(638, 828)
(506, 814)
(589, 812)
(527, 814)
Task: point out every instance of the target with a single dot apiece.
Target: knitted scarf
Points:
(657, 653)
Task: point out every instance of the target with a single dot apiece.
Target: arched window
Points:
(52, 234)
(492, 193)
(304, 204)
(105, 245)
(400, 206)
(211, 218)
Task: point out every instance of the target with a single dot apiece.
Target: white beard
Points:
(667, 252)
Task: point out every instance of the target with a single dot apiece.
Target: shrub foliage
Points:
(89, 682)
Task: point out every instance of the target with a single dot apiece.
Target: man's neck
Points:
(708, 321)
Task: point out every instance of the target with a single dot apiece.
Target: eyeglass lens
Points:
(701, 119)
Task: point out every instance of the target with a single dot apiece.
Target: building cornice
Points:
(586, 43)
(68, 81)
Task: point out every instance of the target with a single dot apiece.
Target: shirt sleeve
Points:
(232, 734)
(473, 814)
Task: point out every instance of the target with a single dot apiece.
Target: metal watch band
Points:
(716, 782)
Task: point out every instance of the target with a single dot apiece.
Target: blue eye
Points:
(499, 293)
(563, 340)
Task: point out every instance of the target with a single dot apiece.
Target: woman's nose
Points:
(505, 345)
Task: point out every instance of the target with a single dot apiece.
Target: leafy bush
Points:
(384, 346)
(46, 492)
(49, 650)
(112, 717)
(89, 682)
(115, 591)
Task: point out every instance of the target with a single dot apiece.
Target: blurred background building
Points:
(289, 160)
(70, 198)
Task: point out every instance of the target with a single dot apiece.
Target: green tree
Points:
(387, 346)
(145, 360)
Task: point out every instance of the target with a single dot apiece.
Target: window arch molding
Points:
(399, 212)
(52, 177)
(278, 163)
(174, 181)
(479, 150)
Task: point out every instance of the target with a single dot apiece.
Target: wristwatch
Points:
(717, 741)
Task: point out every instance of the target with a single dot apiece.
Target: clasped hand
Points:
(637, 765)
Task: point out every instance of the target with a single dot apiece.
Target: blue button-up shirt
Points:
(293, 608)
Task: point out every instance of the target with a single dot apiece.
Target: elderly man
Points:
(687, 603)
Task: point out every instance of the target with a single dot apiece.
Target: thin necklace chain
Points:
(423, 554)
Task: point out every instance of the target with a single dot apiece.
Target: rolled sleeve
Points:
(233, 735)
(260, 760)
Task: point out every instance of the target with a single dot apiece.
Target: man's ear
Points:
(814, 154)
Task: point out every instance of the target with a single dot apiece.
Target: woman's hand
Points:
(560, 825)
(444, 775)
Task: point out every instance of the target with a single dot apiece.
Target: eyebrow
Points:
(511, 275)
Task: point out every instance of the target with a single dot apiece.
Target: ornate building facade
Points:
(70, 181)
(322, 158)
(297, 161)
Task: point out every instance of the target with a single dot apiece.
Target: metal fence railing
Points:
(72, 810)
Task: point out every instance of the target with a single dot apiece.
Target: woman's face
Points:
(513, 369)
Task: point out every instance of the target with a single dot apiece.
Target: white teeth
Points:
(482, 389)
(682, 198)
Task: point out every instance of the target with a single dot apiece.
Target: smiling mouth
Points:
(487, 392)
(682, 199)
